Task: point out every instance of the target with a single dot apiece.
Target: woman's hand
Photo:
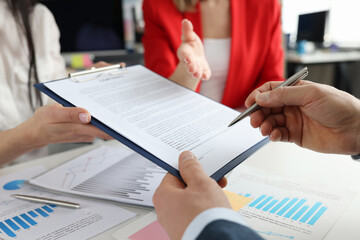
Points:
(50, 124)
(193, 65)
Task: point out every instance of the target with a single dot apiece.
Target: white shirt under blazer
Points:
(15, 107)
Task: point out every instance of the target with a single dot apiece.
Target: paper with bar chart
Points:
(285, 208)
(107, 173)
(27, 220)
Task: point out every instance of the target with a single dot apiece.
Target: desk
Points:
(319, 57)
(286, 159)
(339, 59)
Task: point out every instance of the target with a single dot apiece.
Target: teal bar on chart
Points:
(247, 195)
(23, 224)
(34, 215)
(300, 213)
(255, 202)
(316, 217)
(12, 224)
(270, 205)
(279, 205)
(28, 219)
(287, 206)
(46, 208)
(7, 230)
(263, 203)
(295, 208)
(310, 212)
(41, 212)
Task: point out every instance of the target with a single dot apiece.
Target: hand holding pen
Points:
(293, 80)
(312, 115)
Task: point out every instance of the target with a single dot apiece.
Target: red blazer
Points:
(256, 43)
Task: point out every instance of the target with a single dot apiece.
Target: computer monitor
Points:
(311, 27)
(88, 25)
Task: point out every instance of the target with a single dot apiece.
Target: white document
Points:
(107, 173)
(286, 208)
(27, 220)
(160, 116)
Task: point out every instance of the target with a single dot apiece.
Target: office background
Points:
(111, 31)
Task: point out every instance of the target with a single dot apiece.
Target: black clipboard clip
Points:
(112, 70)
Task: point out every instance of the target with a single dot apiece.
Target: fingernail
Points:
(186, 61)
(84, 117)
(263, 97)
(185, 156)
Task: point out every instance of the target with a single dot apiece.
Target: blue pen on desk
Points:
(290, 81)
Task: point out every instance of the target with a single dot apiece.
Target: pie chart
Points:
(14, 185)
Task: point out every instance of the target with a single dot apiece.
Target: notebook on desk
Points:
(158, 118)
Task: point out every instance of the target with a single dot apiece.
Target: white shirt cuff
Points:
(203, 219)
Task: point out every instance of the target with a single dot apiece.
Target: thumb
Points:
(187, 31)
(286, 96)
(56, 113)
(190, 169)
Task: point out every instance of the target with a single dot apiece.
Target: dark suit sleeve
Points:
(227, 230)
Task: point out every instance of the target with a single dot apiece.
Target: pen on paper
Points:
(46, 201)
(290, 81)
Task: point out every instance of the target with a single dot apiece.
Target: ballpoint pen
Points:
(290, 81)
(46, 201)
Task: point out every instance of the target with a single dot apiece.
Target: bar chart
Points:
(292, 208)
(11, 226)
(287, 208)
(108, 173)
(132, 179)
(25, 220)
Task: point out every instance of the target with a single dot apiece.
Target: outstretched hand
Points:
(191, 52)
(193, 65)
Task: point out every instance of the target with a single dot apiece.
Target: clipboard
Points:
(77, 77)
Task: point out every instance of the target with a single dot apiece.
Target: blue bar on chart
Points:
(41, 212)
(46, 208)
(21, 222)
(310, 212)
(53, 206)
(295, 208)
(270, 205)
(12, 224)
(34, 215)
(262, 204)
(287, 206)
(6, 230)
(256, 201)
(300, 213)
(316, 217)
(247, 195)
(279, 205)
(28, 219)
